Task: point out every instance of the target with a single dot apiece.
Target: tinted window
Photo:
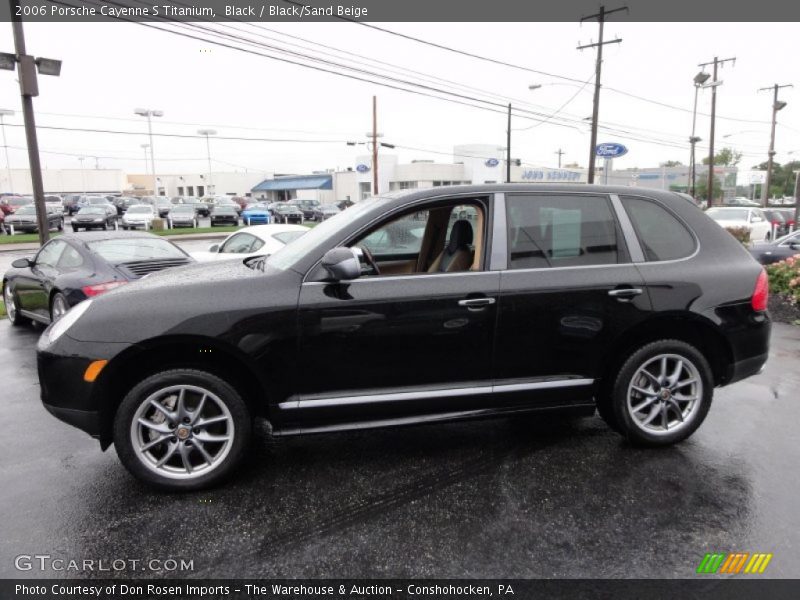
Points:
(287, 236)
(401, 236)
(70, 258)
(238, 244)
(660, 234)
(50, 254)
(561, 231)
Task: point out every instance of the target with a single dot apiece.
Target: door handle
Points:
(625, 294)
(476, 303)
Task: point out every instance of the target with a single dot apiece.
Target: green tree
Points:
(727, 157)
(702, 189)
(671, 163)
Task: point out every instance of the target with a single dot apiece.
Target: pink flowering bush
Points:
(784, 279)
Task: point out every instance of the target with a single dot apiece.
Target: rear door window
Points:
(661, 235)
(562, 230)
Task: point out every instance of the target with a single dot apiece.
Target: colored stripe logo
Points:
(734, 563)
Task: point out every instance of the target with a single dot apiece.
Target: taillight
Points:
(101, 288)
(760, 293)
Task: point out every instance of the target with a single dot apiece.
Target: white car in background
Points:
(138, 215)
(752, 219)
(257, 240)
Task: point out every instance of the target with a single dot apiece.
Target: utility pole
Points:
(796, 198)
(29, 88)
(776, 106)
(6, 113)
(207, 133)
(699, 80)
(374, 146)
(714, 85)
(508, 147)
(601, 19)
(560, 154)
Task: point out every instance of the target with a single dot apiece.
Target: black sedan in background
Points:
(771, 252)
(94, 217)
(282, 212)
(325, 211)
(72, 268)
(23, 220)
(224, 215)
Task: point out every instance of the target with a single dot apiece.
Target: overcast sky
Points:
(110, 69)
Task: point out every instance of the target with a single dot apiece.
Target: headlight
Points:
(68, 320)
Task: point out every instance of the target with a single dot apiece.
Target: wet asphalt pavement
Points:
(500, 498)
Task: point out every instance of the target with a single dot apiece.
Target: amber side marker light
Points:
(93, 370)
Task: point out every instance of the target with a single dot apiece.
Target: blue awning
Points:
(301, 182)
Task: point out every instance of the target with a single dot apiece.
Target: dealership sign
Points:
(610, 150)
(542, 175)
(362, 168)
(492, 162)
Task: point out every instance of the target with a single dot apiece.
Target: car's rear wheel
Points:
(61, 225)
(58, 307)
(662, 393)
(182, 429)
(12, 305)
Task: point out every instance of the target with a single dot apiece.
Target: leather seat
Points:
(457, 255)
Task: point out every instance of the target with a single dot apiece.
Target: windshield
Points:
(92, 210)
(728, 214)
(26, 210)
(19, 201)
(223, 210)
(123, 250)
(98, 201)
(329, 207)
(325, 233)
(140, 209)
(182, 208)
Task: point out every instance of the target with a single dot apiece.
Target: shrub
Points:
(740, 233)
(784, 279)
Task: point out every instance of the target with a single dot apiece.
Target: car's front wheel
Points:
(12, 305)
(662, 393)
(58, 307)
(182, 429)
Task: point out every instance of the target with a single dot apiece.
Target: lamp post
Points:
(83, 178)
(207, 133)
(699, 80)
(4, 112)
(149, 113)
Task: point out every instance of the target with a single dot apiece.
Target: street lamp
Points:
(699, 80)
(83, 178)
(207, 133)
(4, 112)
(149, 113)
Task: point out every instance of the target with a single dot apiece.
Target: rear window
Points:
(561, 231)
(124, 250)
(661, 235)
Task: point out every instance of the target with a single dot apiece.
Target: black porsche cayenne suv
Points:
(426, 305)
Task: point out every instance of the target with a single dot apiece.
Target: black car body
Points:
(202, 209)
(326, 211)
(283, 212)
(71, 268)
(222, 215)
(307, 207)
(95, 217)
(768, 253)
(534, 297)
(24, 220)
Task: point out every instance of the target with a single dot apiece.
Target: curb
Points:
(23, 246)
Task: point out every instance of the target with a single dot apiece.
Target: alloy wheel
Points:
(664, 393)
(11, 306)
(182, 432)
(59, 308)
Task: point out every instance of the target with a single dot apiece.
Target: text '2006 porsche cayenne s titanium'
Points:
(419, 306)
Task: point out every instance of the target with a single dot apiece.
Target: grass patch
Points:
(22, 238)
(2, 309)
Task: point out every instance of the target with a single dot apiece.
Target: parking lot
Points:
(517, 497)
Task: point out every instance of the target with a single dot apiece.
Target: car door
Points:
(397, 346)
(568, 289)
(33, 284)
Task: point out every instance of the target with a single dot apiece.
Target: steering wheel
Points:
(370, 260)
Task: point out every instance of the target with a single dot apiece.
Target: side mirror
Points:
(213, 248)
(794, 245)
(22, 263)
(341, 264)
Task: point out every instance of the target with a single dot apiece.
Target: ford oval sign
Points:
(610, 150)
(492, 162)
(362, 168)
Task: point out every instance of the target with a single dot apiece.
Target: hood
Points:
(199, 299)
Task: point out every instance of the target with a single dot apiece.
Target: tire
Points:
(58, 306)
(675, 410)
(223, 404)
(11, 302)
(105, 226)
(61, 225)
(74, 229)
